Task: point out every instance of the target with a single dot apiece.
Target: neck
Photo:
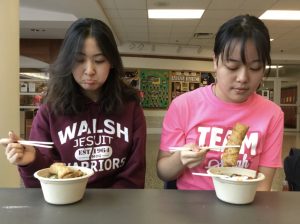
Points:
(214, 90)
(93, 96)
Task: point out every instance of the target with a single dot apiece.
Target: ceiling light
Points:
(274, 66)
(175, 13)
(203, 35)
(39, 75)
(281, 15)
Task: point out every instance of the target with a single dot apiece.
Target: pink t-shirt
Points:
(200, 117)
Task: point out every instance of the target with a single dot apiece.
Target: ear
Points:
(215, 61)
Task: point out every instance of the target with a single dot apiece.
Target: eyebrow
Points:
(95, 55)
(236, 60)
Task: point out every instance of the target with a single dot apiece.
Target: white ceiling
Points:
(135, 33)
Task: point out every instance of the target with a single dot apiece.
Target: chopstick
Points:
(41, 144)
(211, 148)
(211, 175)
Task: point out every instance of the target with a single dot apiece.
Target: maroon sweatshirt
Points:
(113, 146)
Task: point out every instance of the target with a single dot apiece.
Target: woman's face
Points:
(91, 68)
(237, 81)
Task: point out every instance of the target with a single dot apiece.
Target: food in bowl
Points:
(64, 190)
(241, 174)
(238, 186)
(230, 155)
(61, 171)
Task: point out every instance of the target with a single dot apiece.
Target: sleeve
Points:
(40, 131)
(133, 172)
(272, 149)
(173, 131)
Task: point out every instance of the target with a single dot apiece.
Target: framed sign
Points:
(182, 82)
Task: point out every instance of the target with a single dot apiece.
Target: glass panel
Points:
(289, 71)
(273, 72)
(290, 116)
(288, 102)
(267, 89)
(288, 92)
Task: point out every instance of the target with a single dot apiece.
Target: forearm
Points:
(26, 172)
(266, 184)
(169, 166)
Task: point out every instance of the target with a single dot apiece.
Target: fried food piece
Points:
(54, 168)
(61, 171)
(230, 155)
(73, 174)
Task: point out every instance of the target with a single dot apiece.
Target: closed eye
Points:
(79, 58)
(256, 68)
(100, 61)
(232, 66)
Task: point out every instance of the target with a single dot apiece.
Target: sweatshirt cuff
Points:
(29, 169)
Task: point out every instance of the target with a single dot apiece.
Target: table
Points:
(157, 206)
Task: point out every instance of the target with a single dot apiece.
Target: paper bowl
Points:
(63, 191)
(235, 191)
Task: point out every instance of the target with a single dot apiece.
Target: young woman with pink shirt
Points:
(206, 115)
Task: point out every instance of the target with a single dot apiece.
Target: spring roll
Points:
(230, 155)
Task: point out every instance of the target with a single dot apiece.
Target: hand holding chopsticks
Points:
(48, 145)
(16, 152)
(41, 144)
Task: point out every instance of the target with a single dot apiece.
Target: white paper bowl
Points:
(232, 190)
(63, 191)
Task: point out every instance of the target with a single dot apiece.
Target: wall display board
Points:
(184, 81)
(155, 86)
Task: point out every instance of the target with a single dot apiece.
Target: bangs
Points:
(77, 48)
(232, 44)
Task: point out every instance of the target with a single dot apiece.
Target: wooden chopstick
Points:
(211, 148)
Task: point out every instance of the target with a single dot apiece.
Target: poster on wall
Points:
(154, 85)
(182, 82)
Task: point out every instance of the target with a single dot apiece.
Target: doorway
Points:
(285, 93)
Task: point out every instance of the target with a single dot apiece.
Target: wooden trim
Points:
(166, 57)
(46, 50)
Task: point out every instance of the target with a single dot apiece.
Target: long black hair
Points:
(241, 29)
(64, 95)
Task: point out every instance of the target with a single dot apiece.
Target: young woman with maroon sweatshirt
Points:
(94, 119)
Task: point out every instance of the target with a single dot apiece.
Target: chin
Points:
(240, 100)
(90, 87)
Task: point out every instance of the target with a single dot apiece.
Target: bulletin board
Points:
(155, 86)
(182, 82)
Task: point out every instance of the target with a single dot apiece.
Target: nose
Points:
(89, 68)
(243, 75)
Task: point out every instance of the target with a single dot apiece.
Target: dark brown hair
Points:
(64, 95)
(241, 29)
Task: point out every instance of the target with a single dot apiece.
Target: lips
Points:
(241, 90)
(89, 82)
